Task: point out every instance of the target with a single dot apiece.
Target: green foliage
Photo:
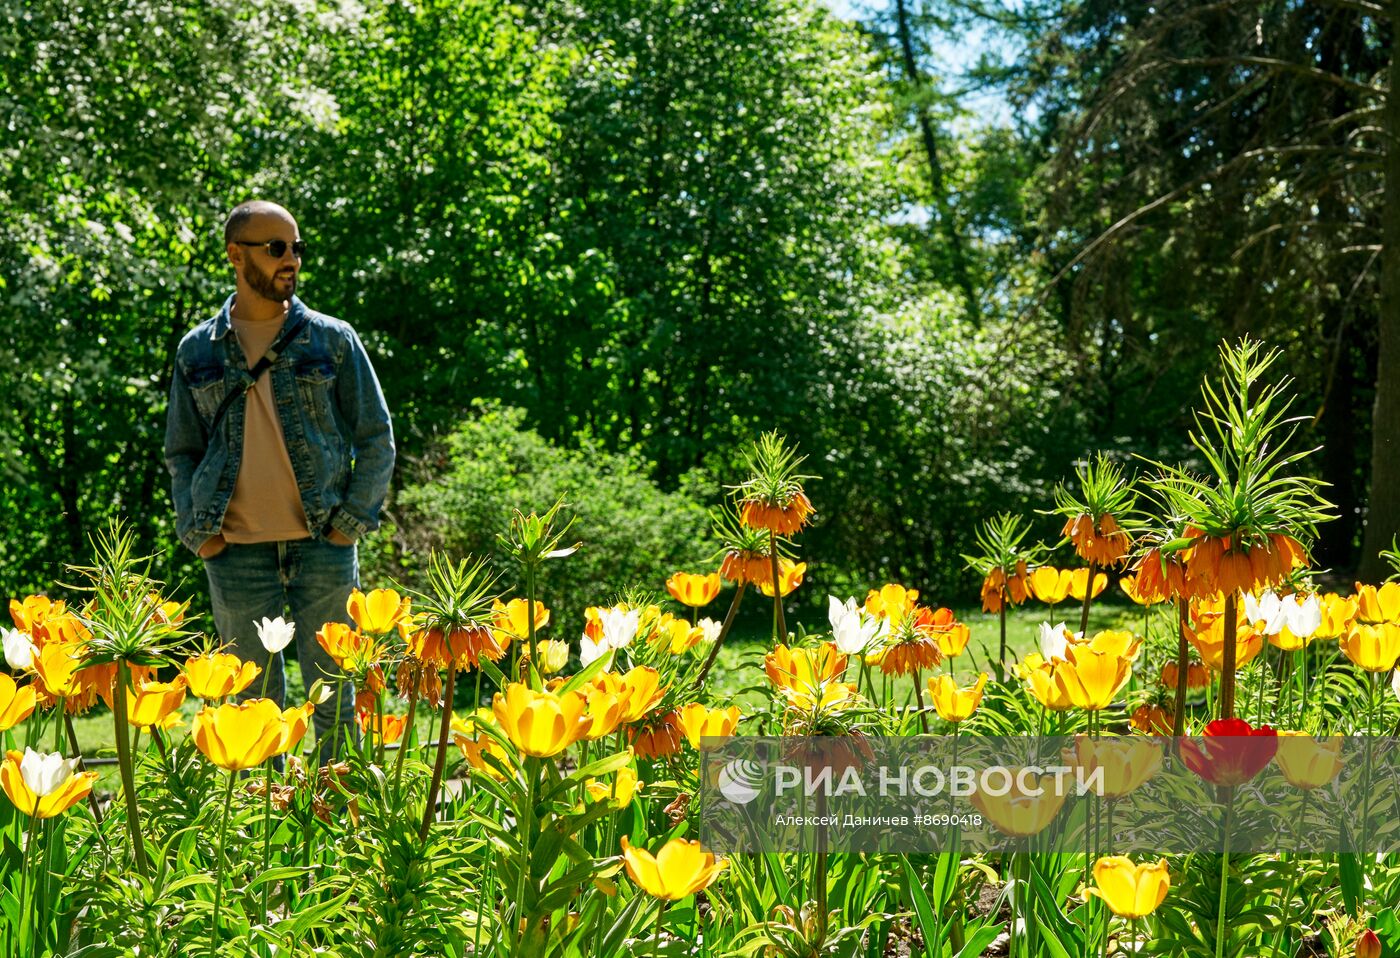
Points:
(465, 491)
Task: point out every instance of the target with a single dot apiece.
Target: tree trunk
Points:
(1383, 513)
(946, 222)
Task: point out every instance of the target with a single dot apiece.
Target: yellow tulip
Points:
(512, 619)
(295, 722)
(892, 602)
(1129, 585)
(681, 868)
(219, 675)
(953, 639)
(1050, 585)
(541, 723)
(640, 692)
(1039, 676)
(605, 712)
(476, 746)
(72, 788)
(1306, 762)
(829, 697)
(1130, 891)
(15, 703)
(1090, 678)
(1337, 615)
(1079, 580)
(952, 703)
(619, 792)
(58, 665)
(1021, 813)
(789, 576)
(804, 669)
(1378, 604)
(152, 702)
(693, 590)
(551, 655)
(238, 737)
(32, 611)
(382, 728)
(379, 612)
(1115, 642)
(1373, 647)
(1126, 762)
(1209, 640)
(698, 722)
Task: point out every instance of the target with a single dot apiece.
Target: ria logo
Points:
(740, 781)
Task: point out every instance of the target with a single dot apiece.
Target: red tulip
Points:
(1231, 752)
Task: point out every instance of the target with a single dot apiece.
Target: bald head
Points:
(236, 226)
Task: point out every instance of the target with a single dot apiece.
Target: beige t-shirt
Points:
(266, 506)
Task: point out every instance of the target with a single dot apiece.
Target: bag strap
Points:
(258, 369)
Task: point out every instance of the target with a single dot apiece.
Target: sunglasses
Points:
(275, 248)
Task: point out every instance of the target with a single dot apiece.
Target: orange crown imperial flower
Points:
(660, 737)
(912, 644)
(1100, 541)
(781, 518)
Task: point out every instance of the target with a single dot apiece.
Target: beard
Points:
(268, 285)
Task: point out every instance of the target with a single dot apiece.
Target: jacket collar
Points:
(224, 321)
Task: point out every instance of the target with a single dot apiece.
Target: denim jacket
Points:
(334, 420)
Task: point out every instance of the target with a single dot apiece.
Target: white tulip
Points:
(851, 629)
(276, 634)
(1053, 644)
(589, 650)
(709, 630)
(1302, 616)
(44, 773)
(19, 650)
(1395, 683)
(1268, 609)
(619, 627)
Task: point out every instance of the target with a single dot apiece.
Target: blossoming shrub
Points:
(458, 497)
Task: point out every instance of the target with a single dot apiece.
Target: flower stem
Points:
(407, 728)
(919, 694)
(779, 625)
(219, 868)
(429, 811)
(77, 752)
(1182, 665)
(1224, 874)
(267, 829)
(133, 818)
(723, 631)
(1227, 665)
(1088, 597)
(660, 911)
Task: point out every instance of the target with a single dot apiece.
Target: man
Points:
(277, 468)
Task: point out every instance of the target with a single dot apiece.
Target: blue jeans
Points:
(308, 578)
